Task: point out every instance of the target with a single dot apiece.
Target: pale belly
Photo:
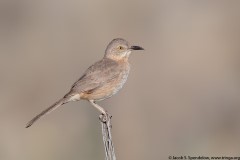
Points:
(107, 90)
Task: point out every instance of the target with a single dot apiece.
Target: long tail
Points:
(48, 110)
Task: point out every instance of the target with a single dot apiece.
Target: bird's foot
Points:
(104, 117)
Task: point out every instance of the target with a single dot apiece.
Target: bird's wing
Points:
(96, 76)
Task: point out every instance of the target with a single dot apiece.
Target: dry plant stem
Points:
(107, 136)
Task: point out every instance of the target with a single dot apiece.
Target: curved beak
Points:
(136, 48)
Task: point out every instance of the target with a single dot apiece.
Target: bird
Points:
(101, 80)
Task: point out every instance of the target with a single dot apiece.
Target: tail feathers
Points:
(48, 110)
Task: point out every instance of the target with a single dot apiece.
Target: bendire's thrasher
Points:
(101, 80)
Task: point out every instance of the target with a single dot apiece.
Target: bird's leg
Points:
(104, 115)
(98, 107)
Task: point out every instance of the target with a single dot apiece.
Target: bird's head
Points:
(119, 49)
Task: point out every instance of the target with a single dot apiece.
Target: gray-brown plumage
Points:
(101, 80)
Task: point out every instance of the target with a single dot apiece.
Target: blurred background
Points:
(182, 96)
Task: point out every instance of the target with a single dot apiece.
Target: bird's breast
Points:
(121, 80)
(112, 86)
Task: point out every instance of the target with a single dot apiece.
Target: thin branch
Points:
(107, 136)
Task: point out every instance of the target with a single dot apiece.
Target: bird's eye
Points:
(120, 47)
